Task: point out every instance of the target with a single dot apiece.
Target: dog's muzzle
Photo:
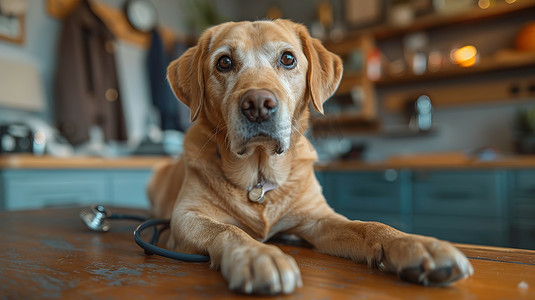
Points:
(258, 105)
(261, 121)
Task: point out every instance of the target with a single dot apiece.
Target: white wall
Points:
(457, 129)
(39, 49)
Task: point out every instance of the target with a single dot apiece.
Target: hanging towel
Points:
(86, 87)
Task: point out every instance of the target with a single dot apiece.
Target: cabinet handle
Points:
(391, 175)
(453, 196)
(421, 175)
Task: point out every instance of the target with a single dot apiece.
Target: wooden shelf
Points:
(347, 124)
(431, 21)
(468, 92)
(438, 20)
(406, 133)
(343, 124)
(344, 47)
(349, 80)
(502, 61)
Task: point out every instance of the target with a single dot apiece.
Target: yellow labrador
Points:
(247, 169)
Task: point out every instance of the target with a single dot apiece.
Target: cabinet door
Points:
(525, 183)
(523, 209)
(370, 191)
(458, 193)
(326, 186)
(523, 194)
(129, 188)
(483, 231)
(34, 189)
(523, 233)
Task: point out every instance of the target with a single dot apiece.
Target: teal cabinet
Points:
(319, 177)
(484, 206)
(462, 193)
(35, 188)
(369, 196)
(368, 191)
(522, 233)
(524, 183)
(465, 206)
(461, 229)
(129, 188)
(522, 207)
(489, 207)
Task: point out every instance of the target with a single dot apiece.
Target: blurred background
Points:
(431, 131)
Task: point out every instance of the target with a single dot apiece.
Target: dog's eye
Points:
(287, 60)
(224, 64)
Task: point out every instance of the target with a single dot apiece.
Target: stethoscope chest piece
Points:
(96, 218)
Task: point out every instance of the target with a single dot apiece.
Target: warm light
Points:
(469, 62)
(484, 4)
(465, 56)
(510, 1)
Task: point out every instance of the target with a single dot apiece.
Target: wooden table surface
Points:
(50, 254)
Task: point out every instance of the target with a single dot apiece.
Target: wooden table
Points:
(50, 254)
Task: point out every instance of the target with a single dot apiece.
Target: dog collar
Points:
(256, 194)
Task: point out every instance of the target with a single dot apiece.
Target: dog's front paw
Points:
(262, 269)
(423, 260)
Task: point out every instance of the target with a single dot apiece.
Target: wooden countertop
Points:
(50, 254)
(421, 161)
(454, 160)
(79, 162)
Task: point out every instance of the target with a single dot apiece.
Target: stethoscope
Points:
(96, 218)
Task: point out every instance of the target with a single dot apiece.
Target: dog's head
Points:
(254, 80)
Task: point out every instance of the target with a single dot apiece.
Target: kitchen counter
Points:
(431, 161)
(31, 182)
(421, 161)
(50, 254)
(26, 161)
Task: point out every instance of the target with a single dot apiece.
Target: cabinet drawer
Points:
(523, 208)
(523, 234)
(129, 188)
(525, 183)
(38, 189)
(471, 193)
(367, 191)
(483, 231)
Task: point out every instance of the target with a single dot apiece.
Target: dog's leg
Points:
(414, 258)
(248, 265)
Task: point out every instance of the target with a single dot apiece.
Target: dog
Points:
(247, 171)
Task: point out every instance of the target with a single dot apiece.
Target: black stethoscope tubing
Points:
(151, 248)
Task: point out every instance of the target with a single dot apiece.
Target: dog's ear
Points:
(324, 70)
(186, 76)
(324, 67)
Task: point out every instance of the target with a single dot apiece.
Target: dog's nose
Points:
(258, 105)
